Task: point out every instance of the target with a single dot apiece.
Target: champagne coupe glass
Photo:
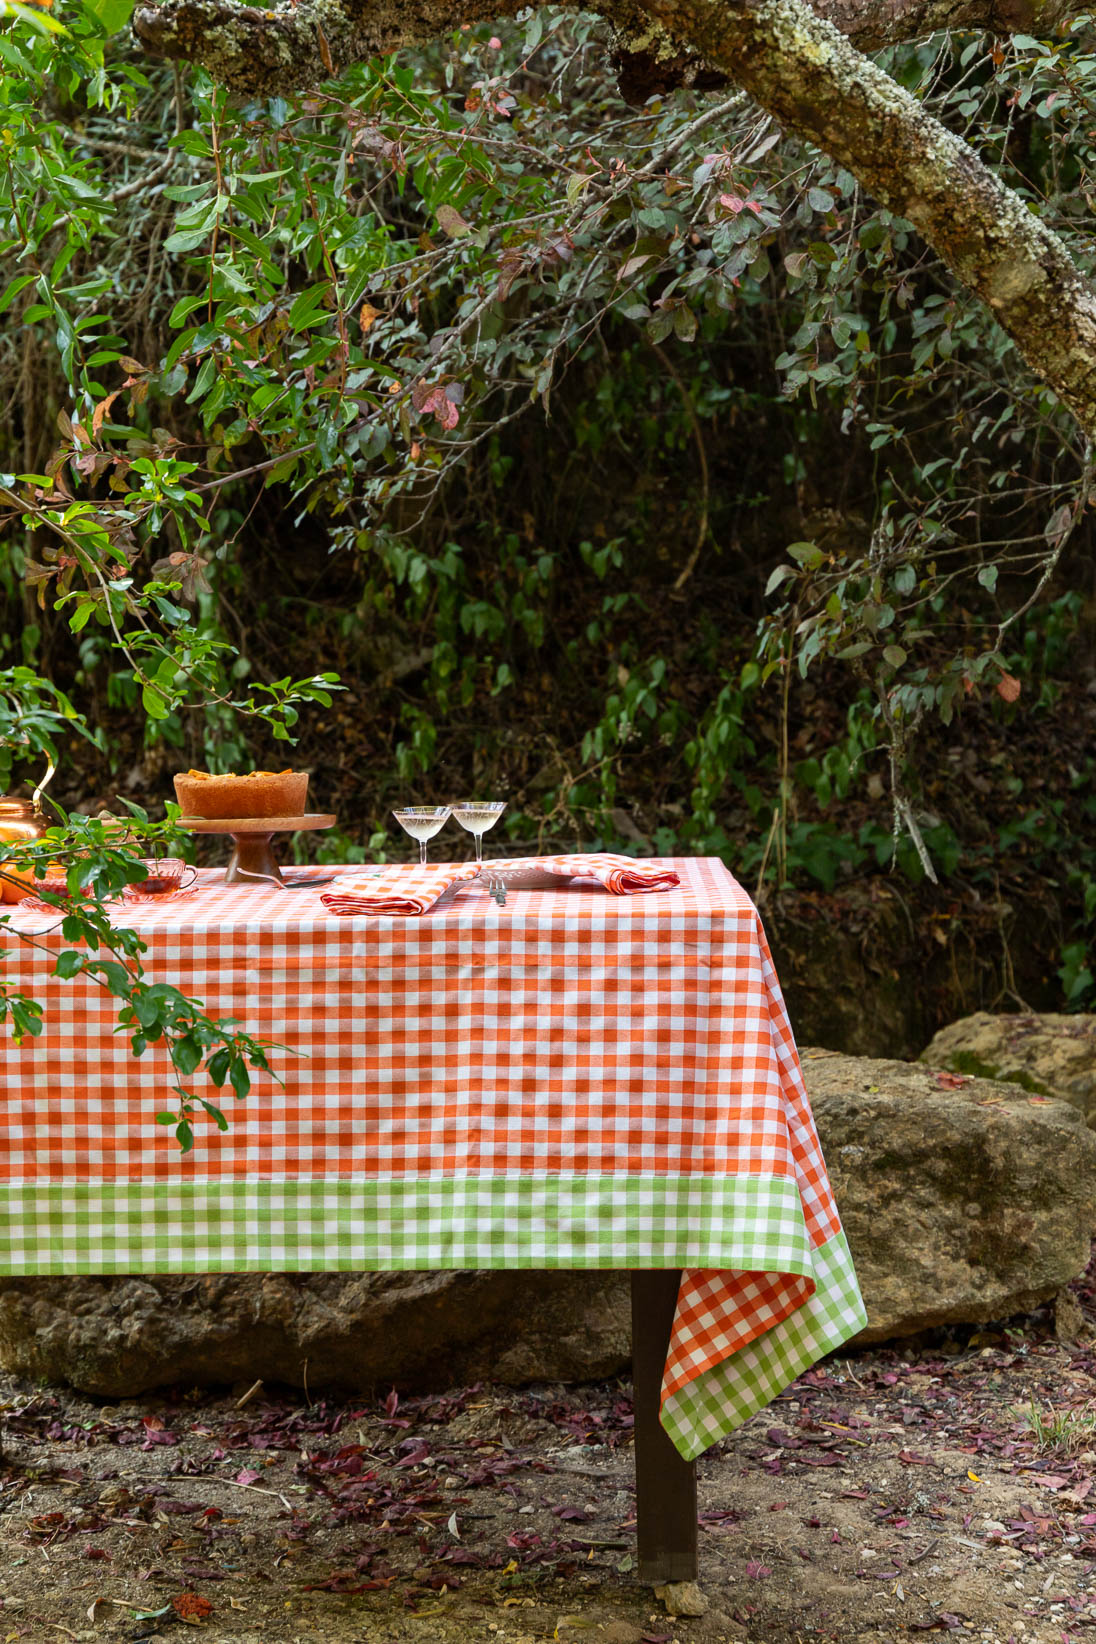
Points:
(476, 816)
(422, 822)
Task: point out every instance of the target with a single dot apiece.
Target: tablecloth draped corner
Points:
(727, 1390)
(738, 1340)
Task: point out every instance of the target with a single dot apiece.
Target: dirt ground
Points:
(942, 1488)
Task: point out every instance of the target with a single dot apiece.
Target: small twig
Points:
(902, 809)
(256, 1387)
(702, 455)
(107, 145)
(584, 1541)
(919, 1557)
(581, 1472)
(258, 1489)
(716, 112)
(1052, 563)
(760, 886)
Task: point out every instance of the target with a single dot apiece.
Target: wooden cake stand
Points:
(253, 856)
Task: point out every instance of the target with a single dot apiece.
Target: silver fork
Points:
(496, 887)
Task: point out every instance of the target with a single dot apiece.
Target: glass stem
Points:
(422, 852)
(479, 847)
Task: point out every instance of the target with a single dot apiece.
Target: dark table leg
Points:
(665, 1484)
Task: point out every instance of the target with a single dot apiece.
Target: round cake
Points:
(258, 793)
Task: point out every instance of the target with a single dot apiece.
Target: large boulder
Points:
(120, 1336)
(1048, 1055)
(964, 1199)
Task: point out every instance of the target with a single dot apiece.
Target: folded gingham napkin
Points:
(400, 888)
(623, 875)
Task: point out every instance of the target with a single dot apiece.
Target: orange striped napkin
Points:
(623, 875)
(400, 888)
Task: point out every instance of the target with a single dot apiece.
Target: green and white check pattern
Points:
(721, 1399)
(301, 1226)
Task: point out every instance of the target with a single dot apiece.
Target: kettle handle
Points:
(36, 797)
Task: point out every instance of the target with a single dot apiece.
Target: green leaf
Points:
(217, 1066)
(202, 215)
(214, 1113)
(187, 240)
(204, 380)
(112, 14)
(239, 1077)
(186, 1053)
(452, 223)
(12, 291)
(684, 324)
(155, 704)
(186, 305)
(987, 576)
(781, 574)
(68, 964)
(307, 307)
(660, 325)
(37, 19)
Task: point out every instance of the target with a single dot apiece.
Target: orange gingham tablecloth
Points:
(573, 1080)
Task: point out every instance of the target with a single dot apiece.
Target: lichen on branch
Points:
(287, 48)
(260, 51)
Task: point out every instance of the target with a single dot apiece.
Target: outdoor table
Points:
(573, 1080)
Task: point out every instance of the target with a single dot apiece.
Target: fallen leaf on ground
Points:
(191, 1607)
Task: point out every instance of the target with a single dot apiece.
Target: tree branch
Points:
(261, 52)
(293, 47)
(802, 71)
(871, 24)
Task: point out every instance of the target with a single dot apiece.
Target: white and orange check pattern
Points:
(623, 875)
(396, 889)
(573, 1080)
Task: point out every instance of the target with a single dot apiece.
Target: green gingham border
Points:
(721, 1399)
(402, 1223)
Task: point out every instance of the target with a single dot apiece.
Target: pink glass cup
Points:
(166, 877)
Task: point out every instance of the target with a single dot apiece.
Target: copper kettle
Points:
(20, 820)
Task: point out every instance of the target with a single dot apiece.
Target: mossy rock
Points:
(1047, 1055)
(963, 1202)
